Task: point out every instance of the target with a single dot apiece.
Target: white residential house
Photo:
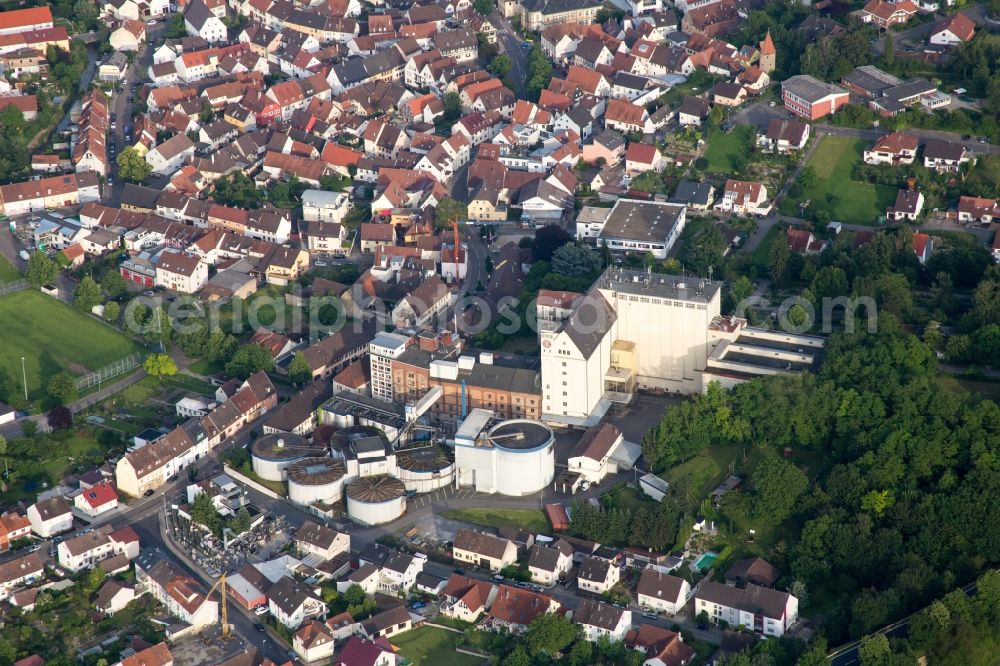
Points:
(199, 21)
(292, 602)
(323, 206)
(96, 500)
(591, 457)
(597, 575)
(313, 642)
(662, 593)
(178, 271)
(399, 572)
(601, 620)
(548, 564)
(21, 571)
(759, 609)
(168, 157)
(743, 197)
(50, 517)
(483, 550)
(320, 540)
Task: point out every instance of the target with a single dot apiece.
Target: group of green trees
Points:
(900, 511)
(655, 527)
(539, 73)
(203, 512)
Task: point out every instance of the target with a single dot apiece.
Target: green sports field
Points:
(853, 201)
(52, 336)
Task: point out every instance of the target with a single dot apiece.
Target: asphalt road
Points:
(123, 110)
(510, 44)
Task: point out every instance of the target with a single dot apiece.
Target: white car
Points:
(260, 610)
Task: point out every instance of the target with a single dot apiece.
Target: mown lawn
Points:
(852, 201)
(725, 149)
(7, 271)
(762, 253)
(52, 336)
(431, 646)
(704, 471)
(530, 519)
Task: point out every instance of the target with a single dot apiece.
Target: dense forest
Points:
(902, 510)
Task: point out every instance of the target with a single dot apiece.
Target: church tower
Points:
(768, 54)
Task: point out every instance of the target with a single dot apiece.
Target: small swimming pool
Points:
(705, 561)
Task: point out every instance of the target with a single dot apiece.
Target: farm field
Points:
(52, 336)
(847, 200)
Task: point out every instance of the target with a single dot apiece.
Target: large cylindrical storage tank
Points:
(525, 456)
(425, 468)
(313, 480)
(272, 454)
(376, 500)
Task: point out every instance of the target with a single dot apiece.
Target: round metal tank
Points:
(272, 454)
(316, 480)
(426, 468)
(525, 456)
(376, 500)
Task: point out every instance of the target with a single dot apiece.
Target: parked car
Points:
(649, 615)
(498, 578)
(460, 571)
(521, 584)
(260, 610)
(420, 556)
(259, 627)
(418, 605)
(24, 255)
(537, 588)
(148, 493)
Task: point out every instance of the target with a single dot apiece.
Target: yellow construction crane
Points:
(221, 584)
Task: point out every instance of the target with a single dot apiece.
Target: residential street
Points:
(510, 44)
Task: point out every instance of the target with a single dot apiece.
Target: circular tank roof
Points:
(423, 459)
(520, 435)
(376, 489)
(282, 446)
(316, 471)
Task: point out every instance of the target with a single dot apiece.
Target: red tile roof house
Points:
(803, 242)
(923, 245)
(640, 158)
(893, 148)
(743, 197)
(977, 209)
(96, 500)
(885, 14)
(959, 28)
(812, 98)
(626, 117)
(514, 609)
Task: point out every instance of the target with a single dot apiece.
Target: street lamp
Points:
(24, 376)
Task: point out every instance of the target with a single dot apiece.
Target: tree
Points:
(3, 446)
(60, 418)
(354, 595)
(777, 259)
(41, 270)
(448, 211)
(176, 28)
(500, 66)
(250, 359)
(112, 312)
(62, 388)
(777, 485)
(158, 326)
(548, 239)
(220, 346)
(87, 294)
(889, 54)
(483, 7)
(159, 365)
(203, 512)
(550, 633)
(11, 119)
(576, 260)
(452, 107)
(114, 284)
(133, 167)
(299, 371)
(742, 289)
(581, 653)
(539, 73)
(517, 657)
(241, 522)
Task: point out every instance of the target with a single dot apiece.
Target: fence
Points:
(11, 287)
(119, 367)
(250, 482)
